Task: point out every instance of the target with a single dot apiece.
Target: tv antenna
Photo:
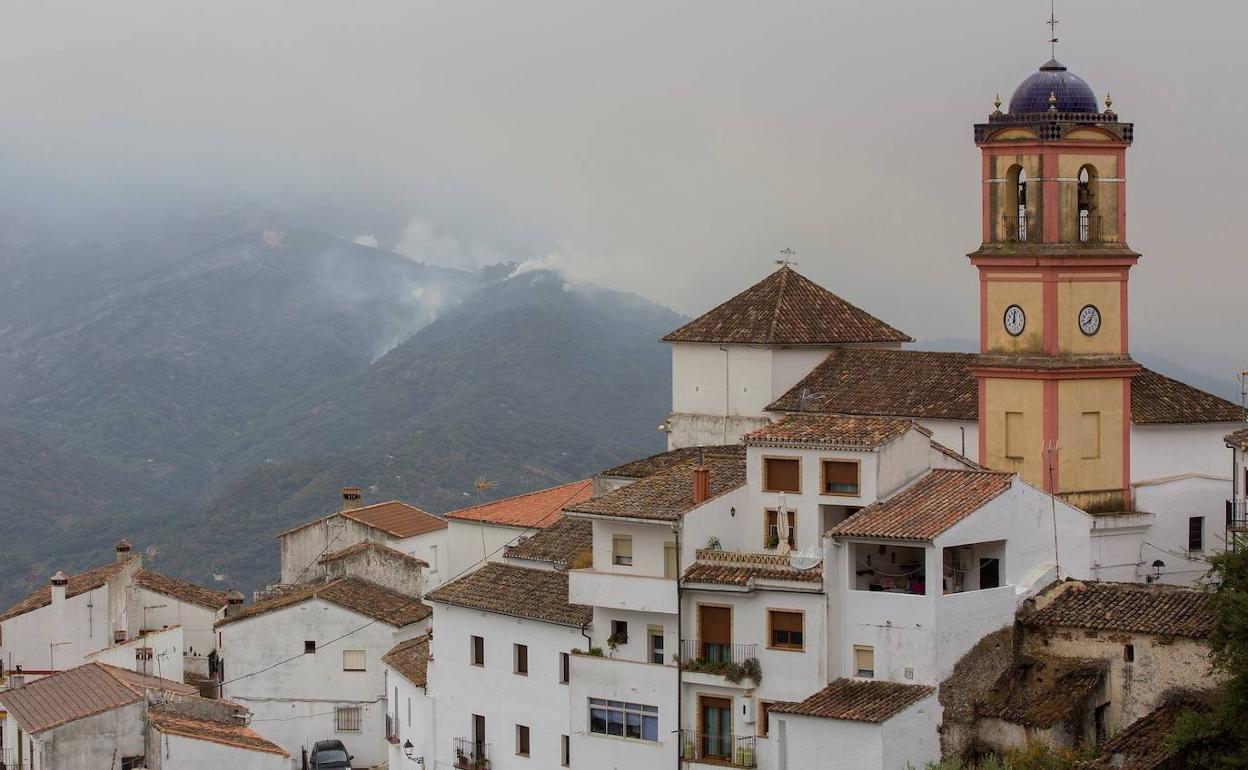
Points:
(36, 572)
(786, 257)
(150, 553)
(805, 396)
(1052, 22)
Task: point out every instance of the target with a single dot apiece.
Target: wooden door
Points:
(715, 722)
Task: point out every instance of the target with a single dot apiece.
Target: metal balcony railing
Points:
(1089, 228)
(472, 755)
(392, 728)
(1237, 515)
(1016, 229)
(718, 748)
(693, 651)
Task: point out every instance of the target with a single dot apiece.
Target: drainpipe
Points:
(589, 642)
(727, 401)
(680, 663)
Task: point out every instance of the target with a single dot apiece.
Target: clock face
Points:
(1015, 320)
(1089, 320)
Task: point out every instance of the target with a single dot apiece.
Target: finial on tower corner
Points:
(1109, 101)
(1052, 101)
(996, 105)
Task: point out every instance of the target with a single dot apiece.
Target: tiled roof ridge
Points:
(192, 593)
(665, 495)
(364, 508)
(210, 730)
(913, 494)
(857, 700)
(775, 314)
(458, 513)
(41, 596)
(888, 429)
(460, 592)
(369, 545)
(399, 657)
(1155, 608)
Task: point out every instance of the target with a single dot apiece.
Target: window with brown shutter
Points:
(478, 651)
(522, 740)
(782, 474)
(521, 658)
(764, 717)
(785, 629)
(840, 477)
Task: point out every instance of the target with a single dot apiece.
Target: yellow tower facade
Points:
(1054, 368)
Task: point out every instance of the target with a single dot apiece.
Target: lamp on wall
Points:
(1158, 566)
(409, 750)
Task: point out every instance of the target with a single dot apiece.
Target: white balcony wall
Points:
(963, 619)
(622, 591)
(644, 683)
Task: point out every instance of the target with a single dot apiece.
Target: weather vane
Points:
(786, 257)
(1052, 30)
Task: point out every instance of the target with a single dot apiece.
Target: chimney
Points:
(123, 549)
(701, 484)
(350, 498)
(60, 584)
(234, 602)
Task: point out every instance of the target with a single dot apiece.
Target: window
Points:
(619, 631)
(352, 660)
(622, 550)
(347, 719)
(1196, 533)
(764, 718)
(1090, 435)
(1128, 653)
(565, 751)
(671, 561)
(522, 740)
(309, 647)
(655, 634)
(478, 651)
(782, 474)
(1014, 435)
(623, 720)
(133, 763)
(864, 661)
(786, 629)
(520, 655)
(840, 477)
(565, 668)
(771, 534)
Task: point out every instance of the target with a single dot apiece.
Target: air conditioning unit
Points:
(749, 708)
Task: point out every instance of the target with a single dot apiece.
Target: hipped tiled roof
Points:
(372, 545)
(560, 545)
(532, 509)
(368, 599)
(833, 430)
(411, 659)
(940, 386)
(537, 594)
(395, 518)
(858, 701)
(668, 494)
(78, 584)
(87, 690)
(787, 308)
(648, 466)
(928, 507)
(181, 590)
(743, 569)
(1129, 607)
(236, 735)
(1040, 692)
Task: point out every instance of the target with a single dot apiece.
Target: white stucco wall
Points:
(632, 682)
(1170, 450)
(412, 710)
(1173, 502)
(293, 704)
(432, 547)
(465, 544)
(494, 691)
(181, 753)
(195, 621)
(82, 622)
(909, 739)
(95, 743)
(167, 659)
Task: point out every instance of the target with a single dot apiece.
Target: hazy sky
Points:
(668, 148)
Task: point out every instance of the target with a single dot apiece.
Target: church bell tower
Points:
(1054, 369)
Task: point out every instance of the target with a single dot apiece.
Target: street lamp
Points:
(409, 751)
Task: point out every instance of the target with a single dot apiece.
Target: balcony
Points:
(723, 749)
(392, 729)
(622, 591)
(1237, 515)
(471, 755)
(713, 663)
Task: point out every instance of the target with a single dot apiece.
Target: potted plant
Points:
(687, 750)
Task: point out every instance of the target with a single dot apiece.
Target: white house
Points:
(90, 717)
(402, 527)
(411, 710)
(307, 663)
(60, 625)
(158, 653)
(193, 736)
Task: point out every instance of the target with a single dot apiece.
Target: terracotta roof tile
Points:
(181, 590)
(236, 735)
(1040, 692)
(410, 659)
(668, 494)
(940, 386)
(89, 689)
(1142, 745)
(858, 700)
(833, 430)
(560, 545)
(372, 545)
(1128, 607)
(787, 308)
(1238, 439)
(78, 584)
(538, 594)
(532, 509)
(927, 507)
(393, 517)
(648, 466)
(742, 569)
(963, 459)
(360, 596)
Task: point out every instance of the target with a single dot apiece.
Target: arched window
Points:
(1015, 208)
(1089, 221)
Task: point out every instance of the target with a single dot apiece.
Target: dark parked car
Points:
(327, 755)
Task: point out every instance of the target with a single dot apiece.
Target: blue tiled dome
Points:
(1073, 94)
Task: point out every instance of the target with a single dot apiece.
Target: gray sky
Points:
(665, 148)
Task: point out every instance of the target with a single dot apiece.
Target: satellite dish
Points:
(807, 558)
